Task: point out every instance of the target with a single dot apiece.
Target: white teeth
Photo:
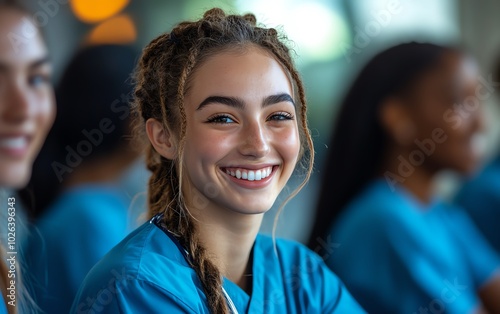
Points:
(258, 175)
(14, 142)
(250, 175)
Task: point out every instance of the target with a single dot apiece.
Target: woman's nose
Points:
(17, 105)
(255, 142)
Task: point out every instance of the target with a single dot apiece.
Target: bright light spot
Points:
(117, 30)
(317, 31)
(92, 11)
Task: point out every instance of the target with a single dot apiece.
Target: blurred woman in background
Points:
(86, 153)
(401, 250)
(480, 195)
(27, 111)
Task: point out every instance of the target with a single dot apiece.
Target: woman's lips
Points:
(251, 178)
(250, 175)
(14, 146)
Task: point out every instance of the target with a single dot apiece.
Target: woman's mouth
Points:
(15, 146)
(250, 175)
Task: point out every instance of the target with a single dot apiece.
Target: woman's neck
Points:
(229, 237)
(417, 179)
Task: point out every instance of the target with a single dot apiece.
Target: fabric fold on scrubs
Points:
(147, 273)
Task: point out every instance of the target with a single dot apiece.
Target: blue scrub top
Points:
(75, 233)
(3, 305)
(481, 199)
(398, 255)
(147, 273)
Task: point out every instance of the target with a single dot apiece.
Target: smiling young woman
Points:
(27, 110)
(224, 111)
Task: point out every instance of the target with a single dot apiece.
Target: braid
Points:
(185, 228)
(162, 80)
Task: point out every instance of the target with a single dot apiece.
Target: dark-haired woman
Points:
(411, 112)
(224, 111)
(89, 214)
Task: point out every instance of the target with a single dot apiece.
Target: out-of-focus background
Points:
(332, 40)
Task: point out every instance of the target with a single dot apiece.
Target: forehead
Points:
(20, 40)
(242, 72)
(454, 69)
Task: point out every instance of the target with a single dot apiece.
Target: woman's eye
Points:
(221, 119)
(38, 79)
(281, 116)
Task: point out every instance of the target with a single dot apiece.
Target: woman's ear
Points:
(161, 139)
(397, 121)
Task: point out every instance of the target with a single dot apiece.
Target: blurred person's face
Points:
(444, 101)
(27, 107)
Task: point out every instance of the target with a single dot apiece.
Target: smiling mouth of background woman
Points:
(250, 174)
(14, 146)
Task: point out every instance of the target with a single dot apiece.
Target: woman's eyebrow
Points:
(39, 62)
(240, 104)
(6, 66)
(274, 99)
(229, 101)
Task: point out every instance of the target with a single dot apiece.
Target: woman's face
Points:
(26, 97)
(242, 141)
(448, 116)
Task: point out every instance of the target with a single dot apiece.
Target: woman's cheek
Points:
(209, 143)
(288, 144)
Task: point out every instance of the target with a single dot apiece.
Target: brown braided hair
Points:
(162, 80)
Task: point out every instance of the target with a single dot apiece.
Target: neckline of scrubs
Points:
(408, 196)
(238, 296)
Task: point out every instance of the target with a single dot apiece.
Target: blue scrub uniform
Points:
(481, 199)
(397, 255)
(76, 232)
(3, 305)
(148, 273)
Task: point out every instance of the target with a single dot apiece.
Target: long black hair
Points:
(359, 141)
(94, 90)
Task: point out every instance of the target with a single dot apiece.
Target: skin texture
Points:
(218, 135)
(27, 108)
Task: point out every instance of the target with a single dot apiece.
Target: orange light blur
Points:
(92, 11)
(117, 30)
